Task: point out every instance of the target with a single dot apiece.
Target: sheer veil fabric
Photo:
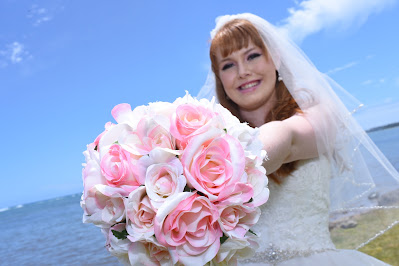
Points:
(362, 181)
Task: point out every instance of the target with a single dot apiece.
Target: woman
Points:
(316, 149)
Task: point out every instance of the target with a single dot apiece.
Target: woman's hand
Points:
(286, 141)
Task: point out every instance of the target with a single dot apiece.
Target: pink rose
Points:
(117, 168)
(212, 162)
(236, 220)
(188, 119)
(149, 253)
(139, 215)
(188, 224)
(122, 113)
(164, 180)
(163, 175)
(148, 135)
(234, 194)
(103, 206)
(237, 215)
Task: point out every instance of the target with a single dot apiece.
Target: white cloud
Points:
(312, 16)
(14, 53)
(41, 20)
(39, 15)
(337, 69)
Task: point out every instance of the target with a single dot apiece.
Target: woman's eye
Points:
(253, 56)
(227, 66)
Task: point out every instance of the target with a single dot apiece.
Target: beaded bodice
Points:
(294, 222)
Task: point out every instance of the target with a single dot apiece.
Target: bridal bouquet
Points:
(175, 183)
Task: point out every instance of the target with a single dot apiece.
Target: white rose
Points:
(91, 173)
(139, 215)
(116, 246)
(234, 249)
(103, 206)
(163, 174)
(229, 119)
(256, 175)
(249, 139)
(149, 253)
(161, 109)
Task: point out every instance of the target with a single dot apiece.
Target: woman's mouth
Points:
(250, 86)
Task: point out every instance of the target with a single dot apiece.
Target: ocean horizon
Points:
(51, 232)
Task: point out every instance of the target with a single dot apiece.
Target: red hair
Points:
(233, 36)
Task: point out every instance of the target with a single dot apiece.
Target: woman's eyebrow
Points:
(249, 50)
(245, 52)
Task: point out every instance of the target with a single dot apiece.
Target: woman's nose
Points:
(243, 70)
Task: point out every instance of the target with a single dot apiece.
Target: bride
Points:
(325, 172)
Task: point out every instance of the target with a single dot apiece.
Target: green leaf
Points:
(252, 232)
(223, 239)
(225, 130)
(200, 193)
(120, 235)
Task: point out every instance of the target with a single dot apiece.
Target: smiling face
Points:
(248, 76)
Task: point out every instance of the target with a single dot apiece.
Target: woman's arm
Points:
(286, 141)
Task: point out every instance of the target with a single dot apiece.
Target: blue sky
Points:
(65, 64)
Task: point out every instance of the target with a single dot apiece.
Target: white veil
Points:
(363, 180)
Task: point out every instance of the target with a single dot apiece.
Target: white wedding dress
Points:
(293, 227)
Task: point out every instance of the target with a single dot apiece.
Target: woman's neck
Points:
(257, 117)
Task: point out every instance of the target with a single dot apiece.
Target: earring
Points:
(279, 78)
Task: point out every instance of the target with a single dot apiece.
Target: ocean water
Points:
(388, 142)
(51, 232)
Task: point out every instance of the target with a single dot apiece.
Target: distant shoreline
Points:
(383, 127)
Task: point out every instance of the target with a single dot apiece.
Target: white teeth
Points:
(249, 85)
